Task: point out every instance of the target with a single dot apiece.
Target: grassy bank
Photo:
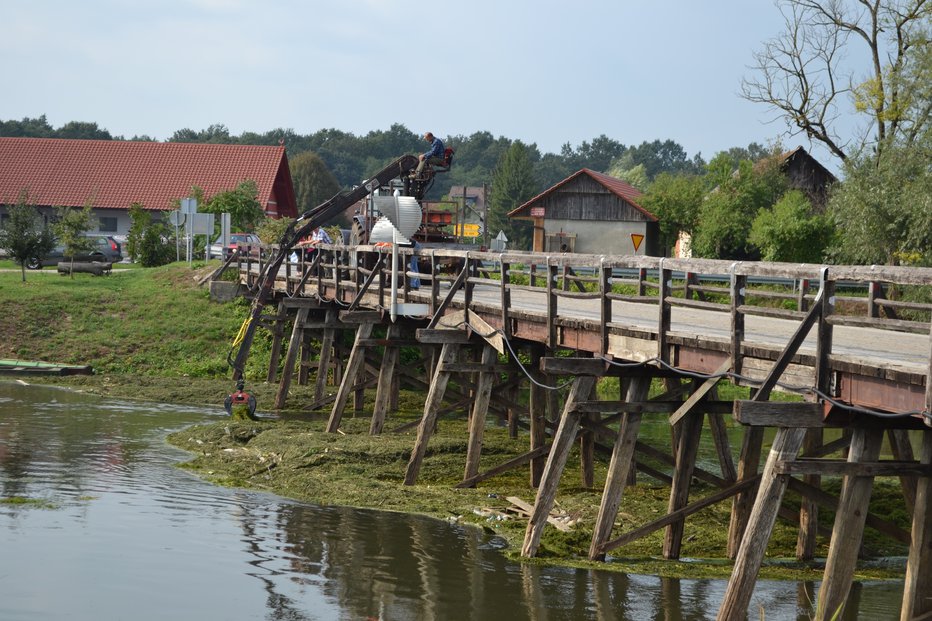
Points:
(154, 334)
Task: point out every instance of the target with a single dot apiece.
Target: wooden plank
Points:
(840, 468)
(529, 509)
(680, 514)
(504, 467)
(827, 501)
(443, 337)
(361, 317)
(786, 445)
(648, 407)
(573, 366)
(700, 393)
(778, 414)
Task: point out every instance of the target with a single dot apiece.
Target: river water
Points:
(98, 523)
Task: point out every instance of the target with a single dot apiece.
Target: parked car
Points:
(105, 249)
(247, 242)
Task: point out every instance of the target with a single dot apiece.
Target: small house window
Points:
(108, 224)
(560, 242)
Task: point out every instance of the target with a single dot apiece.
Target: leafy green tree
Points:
(242, 203)
(71, 229)
(791, 232)
(270, 230)
(313, 182)
(156, 245)
(76, 130)
(729, 210)
(30, 128)
(512, 185)
(24, 235)
(636, 177)
(884, 207)
(139, 220)
(676, 200)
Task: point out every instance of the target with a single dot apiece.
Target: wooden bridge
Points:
(854, 341)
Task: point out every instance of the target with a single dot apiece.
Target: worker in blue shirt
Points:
(434, 155)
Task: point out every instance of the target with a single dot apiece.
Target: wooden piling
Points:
(438, 386)
(556, 461)
(479, 410)
(750, 555)
(347, 385)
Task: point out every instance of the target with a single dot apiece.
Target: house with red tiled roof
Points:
(593, 213)
(114, 174)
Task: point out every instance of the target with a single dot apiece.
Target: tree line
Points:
(737, 205)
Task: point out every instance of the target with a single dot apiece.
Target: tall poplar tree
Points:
(513, 185)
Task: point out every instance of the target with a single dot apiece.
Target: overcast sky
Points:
(543, 71)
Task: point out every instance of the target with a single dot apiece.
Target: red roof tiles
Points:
(617, 187)
(114, 174)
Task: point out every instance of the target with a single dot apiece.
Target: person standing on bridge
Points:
(434, 155)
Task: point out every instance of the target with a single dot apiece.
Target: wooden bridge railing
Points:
(883, 297)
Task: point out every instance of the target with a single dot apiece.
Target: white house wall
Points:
(599, 237)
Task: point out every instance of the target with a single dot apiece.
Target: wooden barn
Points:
(805, 173)
(593, 213)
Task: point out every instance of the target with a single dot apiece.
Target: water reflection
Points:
(130, 535)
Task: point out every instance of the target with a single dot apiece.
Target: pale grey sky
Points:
(542, 71)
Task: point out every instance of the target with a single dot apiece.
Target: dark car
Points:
(105, 249)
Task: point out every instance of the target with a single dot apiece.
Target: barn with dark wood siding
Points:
(589, 212)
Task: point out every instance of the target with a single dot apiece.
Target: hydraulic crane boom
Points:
(300, 228)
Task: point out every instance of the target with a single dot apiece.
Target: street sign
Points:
(468, 230)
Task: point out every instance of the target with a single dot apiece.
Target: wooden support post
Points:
(556, 461)
(748, 461)
(902, 450)
(738, 293)
(479, 410)
(438, 386)
(823, 374)
(687, 448)
(537, 407)
(808, 508)
(552, 332)
(387, 384)
(305, 358)
(622, 462)
(323, 363)
(786, 445)
(353, 365)
(917, 588)
(291, 357)
(605, 308)
(278, 334)
(664, 291)
(849, 526)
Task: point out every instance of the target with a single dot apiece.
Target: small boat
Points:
(29, 367)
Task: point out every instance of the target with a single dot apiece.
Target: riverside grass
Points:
(153, 334)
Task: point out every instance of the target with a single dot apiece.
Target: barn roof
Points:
(113, 174)
(619, 188)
